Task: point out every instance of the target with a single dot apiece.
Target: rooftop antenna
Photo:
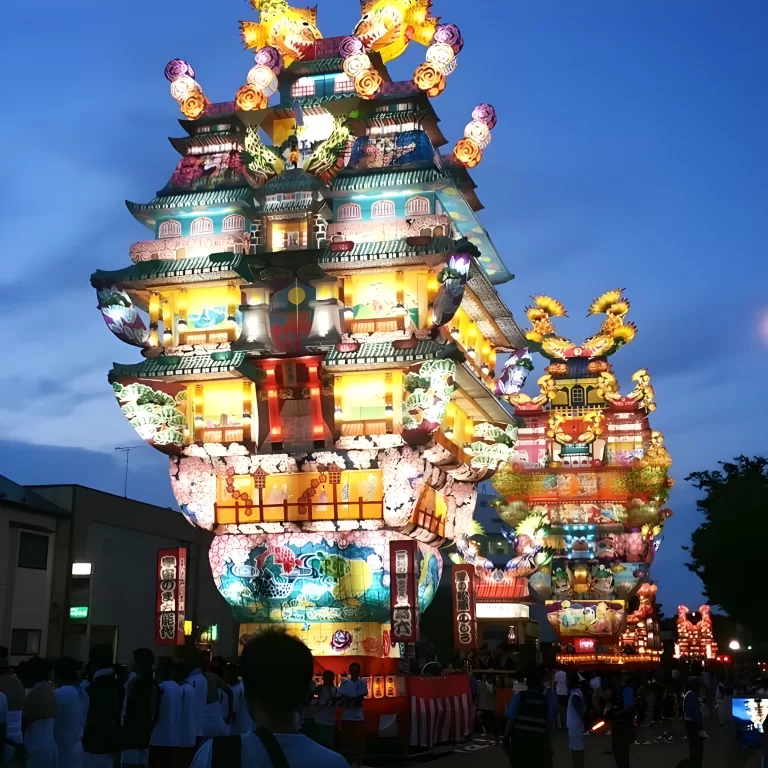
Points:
(127, 450)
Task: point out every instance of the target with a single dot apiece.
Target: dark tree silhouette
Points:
(728, 550)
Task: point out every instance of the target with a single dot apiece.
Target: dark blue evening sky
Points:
(631, 152)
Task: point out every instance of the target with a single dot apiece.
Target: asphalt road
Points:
(721, 751)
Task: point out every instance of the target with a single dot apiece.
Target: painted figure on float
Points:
(584, 492)
(319, 322)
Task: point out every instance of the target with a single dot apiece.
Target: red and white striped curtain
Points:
(441, 709)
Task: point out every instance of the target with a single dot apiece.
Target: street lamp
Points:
(734, 645)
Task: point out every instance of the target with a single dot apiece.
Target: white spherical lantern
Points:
(182, 87)
(263, 78)
(478, 132)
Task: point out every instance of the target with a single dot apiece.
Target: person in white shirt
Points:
(276, 670)
(12, 688)
(486, 706)
(39, 717)
(199, 684)
(575, 721)
(352, 692)
(241, 718)
(561, 691)
(325, 711)
(164, 745)
(188, 719)
(72, 701)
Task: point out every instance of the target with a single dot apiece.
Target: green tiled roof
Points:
(385, 249)
(292, 180)
(384, 352)
(317, 101)
(162, 269)
(315, 67)
(385, 179)
(399, 116)
(210, 197)
(216, 362)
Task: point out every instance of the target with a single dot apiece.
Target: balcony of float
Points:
(368, 403)
(221, 411)
(385, 301)
(202, 314)
(331, 495)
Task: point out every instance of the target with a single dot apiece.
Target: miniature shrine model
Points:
(585, 490)
(323, 325)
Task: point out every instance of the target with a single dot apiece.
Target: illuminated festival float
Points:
(322, 325)
(695, 641)
(585, 489)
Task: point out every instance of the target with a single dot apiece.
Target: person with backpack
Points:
(276, 669)
(101, 735)
(139, 709)
(531, 715)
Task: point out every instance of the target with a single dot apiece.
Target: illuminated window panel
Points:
(304, 86)
(343, 84)
(417, 206)
(233, 223)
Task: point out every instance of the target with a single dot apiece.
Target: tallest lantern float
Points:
(319, 322)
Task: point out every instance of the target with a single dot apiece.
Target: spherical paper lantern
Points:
(182, 87)
(350, 45)
(355, 64)
(177, 68)
(449, 34)
(467, 152)
(367, 83)
(440, 56)
(478, 132)
(270, 57)
(194, 105)
(485, 113)
(263, 78)
(429, 79)
(249, 97)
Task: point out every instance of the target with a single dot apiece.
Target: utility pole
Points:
(127, 450)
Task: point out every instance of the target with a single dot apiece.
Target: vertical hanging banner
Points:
(171, 595)
(403, 594)
(464, 618)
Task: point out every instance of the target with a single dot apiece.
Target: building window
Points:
(382, 209)
(417, 206)
(170, 229)
(33, 551)
(577, 396)
(201, 226)
(343, 84)
(25, 642)
(349, 212)
(304, 86)
(233, 223)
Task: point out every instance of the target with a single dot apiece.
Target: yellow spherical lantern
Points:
(367, 83)
(194, 105)
(249, 98)
(467, 152)
(429, 79)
